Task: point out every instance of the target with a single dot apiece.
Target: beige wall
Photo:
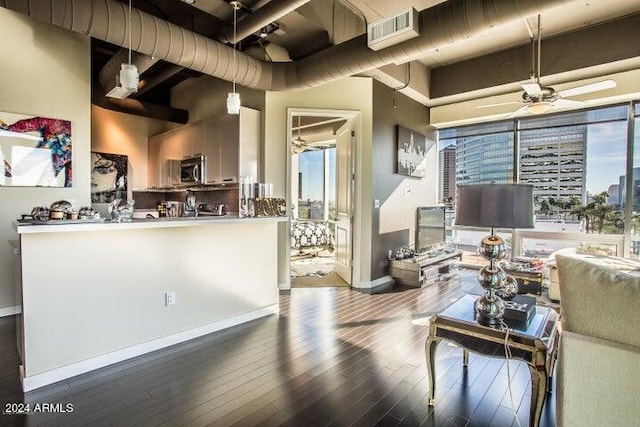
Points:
(353, 93)
(206, 97)
(126, 134)
(45, 71)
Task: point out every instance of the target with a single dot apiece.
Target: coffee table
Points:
(535, 343)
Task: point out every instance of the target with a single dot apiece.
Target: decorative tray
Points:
(59, 221)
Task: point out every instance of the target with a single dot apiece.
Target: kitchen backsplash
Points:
(151, 199)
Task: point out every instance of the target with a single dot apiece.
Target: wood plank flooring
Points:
(332, 357)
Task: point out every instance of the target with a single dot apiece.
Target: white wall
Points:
(119, 133)
(45, 71)
(113, 298)
(353, 93)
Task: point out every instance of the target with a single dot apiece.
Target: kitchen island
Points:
(94, 294)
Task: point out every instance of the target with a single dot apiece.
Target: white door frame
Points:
(356, 117)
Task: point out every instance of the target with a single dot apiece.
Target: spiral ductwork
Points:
(441, 25)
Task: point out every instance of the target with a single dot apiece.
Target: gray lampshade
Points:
(495, 205)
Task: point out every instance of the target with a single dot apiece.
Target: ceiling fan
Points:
(300, 144)
(538, 99)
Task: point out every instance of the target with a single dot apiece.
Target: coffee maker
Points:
(190, 206)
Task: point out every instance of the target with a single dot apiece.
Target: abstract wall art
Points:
(35, 151)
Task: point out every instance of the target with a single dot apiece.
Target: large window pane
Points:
(635, 216)
(576, 171)
(311, 185)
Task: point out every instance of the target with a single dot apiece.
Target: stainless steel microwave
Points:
(192, 170)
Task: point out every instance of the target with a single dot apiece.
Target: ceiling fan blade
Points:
(532, 89)
(588, 88)
(497, 105)
(567, 103)
(521, 110)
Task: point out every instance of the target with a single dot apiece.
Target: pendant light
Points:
(233, 98)
(128, 80)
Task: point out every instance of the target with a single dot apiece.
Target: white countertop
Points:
(62, 226)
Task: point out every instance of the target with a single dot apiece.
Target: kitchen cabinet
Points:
(229, 142)
(165, 152)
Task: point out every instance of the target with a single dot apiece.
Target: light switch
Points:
(376, 204)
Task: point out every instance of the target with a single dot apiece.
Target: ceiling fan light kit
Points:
(539, 99)
(539, 107)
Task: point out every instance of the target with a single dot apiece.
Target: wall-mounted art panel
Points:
(411, 152)
(108, 177)
(35, 151)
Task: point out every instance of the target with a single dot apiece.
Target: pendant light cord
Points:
(129, 32)
(235, 52)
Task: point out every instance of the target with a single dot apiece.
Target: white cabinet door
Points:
(229, 140)
(153, 160)
(211, 149)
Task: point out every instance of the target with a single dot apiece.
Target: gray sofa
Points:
(598, 368)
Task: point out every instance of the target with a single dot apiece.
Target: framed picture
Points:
(411, 152)
(35, 151)
(108, 177)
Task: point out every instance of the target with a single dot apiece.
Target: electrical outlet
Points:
(169, 298)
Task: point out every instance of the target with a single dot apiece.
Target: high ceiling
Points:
(490, 62)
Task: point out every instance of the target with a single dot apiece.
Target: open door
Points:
(344, 202)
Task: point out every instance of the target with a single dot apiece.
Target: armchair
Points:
(599, 356)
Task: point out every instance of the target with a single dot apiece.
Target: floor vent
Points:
(390, 31)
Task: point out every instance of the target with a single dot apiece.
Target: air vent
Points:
(390, 31)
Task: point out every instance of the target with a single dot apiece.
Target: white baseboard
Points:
(384, 280)
(10, 311)
(45, 378)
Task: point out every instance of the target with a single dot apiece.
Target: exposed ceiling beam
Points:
(590, 52)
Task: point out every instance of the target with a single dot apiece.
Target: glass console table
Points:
(535, 343)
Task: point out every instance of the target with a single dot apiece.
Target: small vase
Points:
(121, 210)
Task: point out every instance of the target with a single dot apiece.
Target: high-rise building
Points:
(484, 159)
(553, 160)
(614, 194)
(447, 169)
(622, 190)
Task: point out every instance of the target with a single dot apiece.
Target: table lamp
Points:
(494, 206)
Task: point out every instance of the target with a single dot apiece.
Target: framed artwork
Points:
(35, 151)
(411, 152)
(108, 177)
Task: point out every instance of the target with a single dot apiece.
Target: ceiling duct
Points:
(260, 18)
(391, 31)
(445, 24)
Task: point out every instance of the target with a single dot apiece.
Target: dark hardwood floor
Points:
(332, 357)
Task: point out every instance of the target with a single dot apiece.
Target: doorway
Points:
(320, 192)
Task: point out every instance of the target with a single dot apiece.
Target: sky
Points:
(312, 173)
(607, 155)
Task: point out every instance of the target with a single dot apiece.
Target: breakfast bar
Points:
(98, 293)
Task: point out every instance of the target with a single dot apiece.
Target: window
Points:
(316, 184)
(577, 164)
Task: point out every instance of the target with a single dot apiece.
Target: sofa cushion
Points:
(599, 300)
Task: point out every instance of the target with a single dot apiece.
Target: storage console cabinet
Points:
(424, 270)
